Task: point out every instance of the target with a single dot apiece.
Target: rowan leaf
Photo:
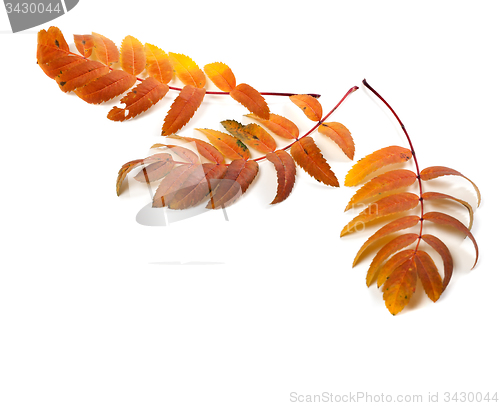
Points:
(437, 171)
(142, 97)
(84, 44)
(391, 264)
(55, 67)
(240, 174)
(124, 170)
(251, 99)
(182, 109)
(106, 87)
(132, 56)
(309, 105)
(184, 153)
(436, 195)
(386, 206)
(374, 161)
(400, 286)
(204, 148)
(229, 146)
(386, 251)
(308, 156)
(285, 168)
(445, 219)
(252, 135)
(80, 74)
(339, 134)
(383, 184)
(157, 64)
(186, 70)
(51, 45)
(155, 170)
(221, 75)
(395, 225)
(279, 125)
(445, 254)
(171, 183)
(429, 275)
(105, 50)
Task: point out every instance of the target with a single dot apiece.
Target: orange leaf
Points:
(437, 171)
(184, 153)
(252, 135)
(240, 174)
(309, 157)
(400, 286)
(228, 145)
(51, 45)
(57, 66)
(392, 263)
(105, 50)
(309, 105)
(387, 182)
(221, 75)
(442, 250)
(197, 186)
(132, 56)
(158, 64)
(172, 183)
(186, 70)
(376, 160)
(384, 207)
(106, 87)
(395, 225)
(251, 99)
(386, 251)
(285, 168)
(142, 97)
(84, 44)
(340, 135)
(429, 275)
(204, 148)
(156, 170)
(124, 170)
(436, 195)
(80, 74)
(182, 109)
(279, 125)
(444, 219)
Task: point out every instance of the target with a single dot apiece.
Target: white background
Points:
(96, 309)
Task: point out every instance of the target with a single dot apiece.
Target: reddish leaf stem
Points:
(414, 158)
(351, 90)
(317, 96)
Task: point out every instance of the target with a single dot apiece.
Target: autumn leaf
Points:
(308, 156)
(373, 162)
(436, 196)
(252, 135)
(142, 97)
(157, 168)
(157, 64)
(221, 75)
(51, 45)
(279, 125)
(171, 183)
(84, 44)
(124, 170)
(251, 99)
(441, 248)
(400, 286)
(340, 135)
(285, 168)
(80, 74)
(240, 174)
(106, 87)
(204, 148)
(105, 50)
(53, 68)
(429, 275)
(186, 70)
(182, 109)
(229, 146)
(309, 105)
(132, 56)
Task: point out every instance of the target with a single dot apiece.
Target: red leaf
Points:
(106, 87)
(435, 195)
(442, 250)
(285, 168)
(80, 74)
(429, 275)
(51, 45)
